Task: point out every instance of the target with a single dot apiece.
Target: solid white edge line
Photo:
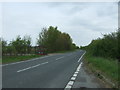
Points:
(31, 67)
(81, 56)
(78, 69)
(26, 61)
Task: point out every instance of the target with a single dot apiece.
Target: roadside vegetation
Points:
(103, 67)
(55, 41)
(10, 59)
(103, 55)
(49, 40)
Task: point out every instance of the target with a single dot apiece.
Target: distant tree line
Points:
(19, 46)
(108, 46)
(52, 39)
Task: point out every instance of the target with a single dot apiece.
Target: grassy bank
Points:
(10, 59)
(106, 67)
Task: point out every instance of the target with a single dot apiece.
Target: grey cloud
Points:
(83, 21)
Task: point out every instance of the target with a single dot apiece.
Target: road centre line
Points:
(81, 57)
(32, 67)
(60, 58)
(26, 60)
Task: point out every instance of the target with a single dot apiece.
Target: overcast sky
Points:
(82, 21)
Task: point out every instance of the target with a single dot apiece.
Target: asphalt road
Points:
(53, 71)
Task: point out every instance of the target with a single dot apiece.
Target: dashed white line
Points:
(76, 72)
(25, 61)
(81, 57)
(73, 78)
(71, 82)
(74, 75)
(68, 87)
(78, 68)
(60, 58)
(32, 67)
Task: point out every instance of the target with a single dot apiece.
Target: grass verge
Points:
(10, 59)
(106, 67)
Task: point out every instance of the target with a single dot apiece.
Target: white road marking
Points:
(60, 58)
(71, 82)
(32, 67)
(76, 72)
(74, 75)
(25, 61)
(73, 78)
(81, 57)
(78, 69)
(68, 87)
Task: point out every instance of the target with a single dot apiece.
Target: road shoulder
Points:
(87, 79)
